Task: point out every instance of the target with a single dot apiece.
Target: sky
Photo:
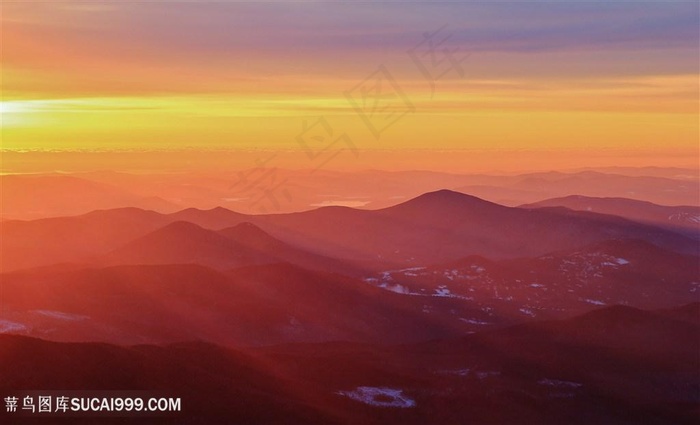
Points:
(313, 76)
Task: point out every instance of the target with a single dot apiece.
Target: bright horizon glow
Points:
(111, 75)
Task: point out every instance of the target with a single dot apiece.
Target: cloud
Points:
(96, 48)
(195, 29)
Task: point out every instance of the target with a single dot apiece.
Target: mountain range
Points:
(685, 219)
(434, 227)
(443, 309)
(614, 365)
(33, 196)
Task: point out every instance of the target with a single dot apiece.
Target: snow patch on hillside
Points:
(594, 302)
(380, 397)
(474, 321)
(559, 383)
(61, 315)
(7, 326)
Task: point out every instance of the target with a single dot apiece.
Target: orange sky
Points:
(560, 78)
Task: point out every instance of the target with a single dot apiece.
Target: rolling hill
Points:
(559, 284)
(616, 365)
(257, 305)
(245, 244)
(432, 228)
(683, 218)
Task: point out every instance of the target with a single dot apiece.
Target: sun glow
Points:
(94, 78)
(13, 112)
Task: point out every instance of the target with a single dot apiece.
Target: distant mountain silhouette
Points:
(39, 196)
(432, 228)
(445, 225)
(245, 244)
(183, 242)
(215, 218)
(528, 188)
(48, 241)
(681, 217)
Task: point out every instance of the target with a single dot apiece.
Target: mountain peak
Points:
(180, 226)
(220, 209)
(215, 210)
(126, 212)
(248, 233)
(446, 197)
(215, 218)
(443, 193)
(246, 228)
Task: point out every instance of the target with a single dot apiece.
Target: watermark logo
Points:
(435, 57)
(89, 403)
(264, 185)
(318, 140)
(379, 101)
